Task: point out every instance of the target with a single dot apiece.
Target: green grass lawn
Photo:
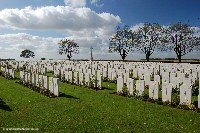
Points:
(80, 109)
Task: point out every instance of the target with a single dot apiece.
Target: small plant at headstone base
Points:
(175, 99)
(159, 101)
(124, 91)
(175, 90)
(20, 82)
(183, 106)
(57, 76)
(150, 100)
(195, 103)
(114, 80)
(29, 84)
(35, 88)
(86, 84)
(93, 82)
(50, 71)
(63, 78)
(43, 91)
(8, 76)
(166, 103)
(195, 88)
(145, 96)
(135, 92)
(17, 70)
(146, 87)
(136, 78)
(131, 73)
(192, 107)
(140, 97)
(105, 79)
(82, 83)
(152, 77)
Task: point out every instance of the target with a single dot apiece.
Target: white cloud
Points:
(15, 43)
(96, 3)
(57, 18)
(12, 44)
(83, 25)
(75, 3)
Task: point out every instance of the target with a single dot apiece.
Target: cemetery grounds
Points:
(81, 109)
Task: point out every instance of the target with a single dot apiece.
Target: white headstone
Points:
(41, 83)
(140, 87)
(99, 81)
(147, 79)
(185, 94)
(130, 85)
(51, 85)
(153, 90)
(120, 84)
(56, 83)
(33, 81)
(45, 80)
(166, 91)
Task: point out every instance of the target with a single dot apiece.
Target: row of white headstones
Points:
(42, 81)
(171, 76)
(185, 89)
(37, 80)
(11, 72)
(78, 77)
(170, 79)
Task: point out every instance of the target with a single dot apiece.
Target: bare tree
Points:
(121, 42)
(180, 38)
(68, 47)
(27, 53)
(147, 38)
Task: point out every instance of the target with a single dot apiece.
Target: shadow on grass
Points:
(4, 106)
(67, 96)
(113, 93)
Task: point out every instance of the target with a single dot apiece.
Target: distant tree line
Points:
(179, 37)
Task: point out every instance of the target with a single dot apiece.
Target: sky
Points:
(39, 25)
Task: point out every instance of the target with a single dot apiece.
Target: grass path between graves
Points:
(81, 109)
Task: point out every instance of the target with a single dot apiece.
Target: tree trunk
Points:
(179, 58)
(147, 57)
(69, 57)
(123, 55)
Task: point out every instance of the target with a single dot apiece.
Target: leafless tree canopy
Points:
(148, 38)
(122, 41)
(180, 38)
